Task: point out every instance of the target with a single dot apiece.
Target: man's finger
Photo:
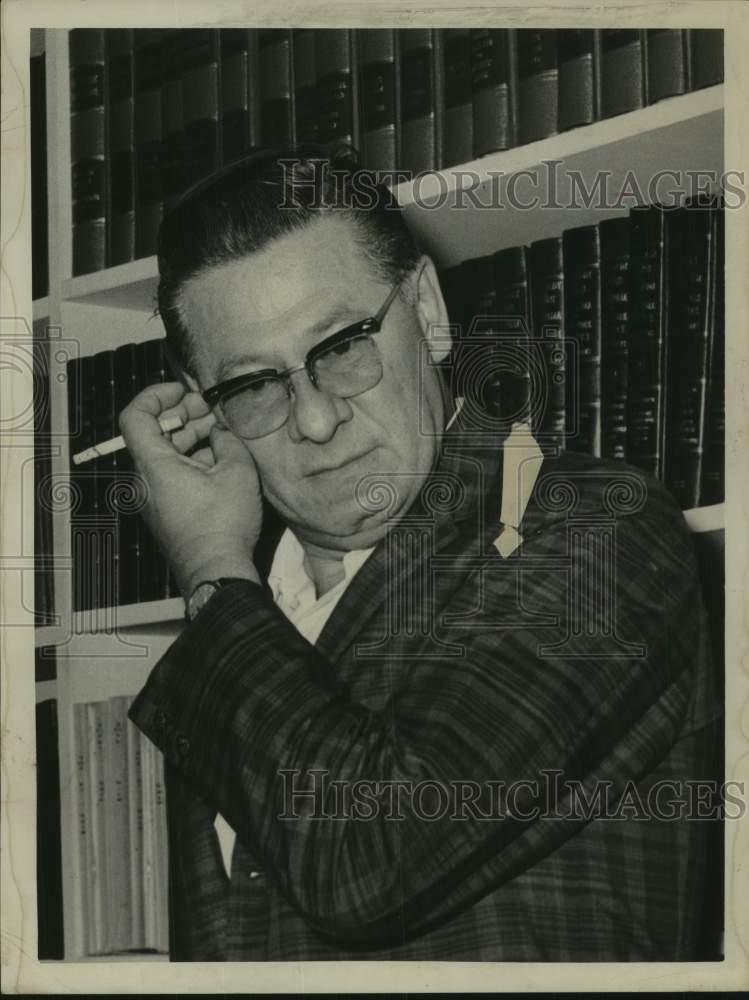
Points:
(139, 421)
(195, 431)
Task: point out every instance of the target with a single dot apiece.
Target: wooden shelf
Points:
(128, 616)
(701, 519)
(40, 309)
(127, 286)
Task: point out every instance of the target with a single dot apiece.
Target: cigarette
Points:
(166, 424)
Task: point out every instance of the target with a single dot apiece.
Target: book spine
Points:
(96, 714)
(119, 915)
(135, 834)
(276, 112)
(149, 203)
(106, 469)
(236, 93)
(615, 309)
(582, 324)
(148, 873)
(495, 89)
(84, 521)
(511, 277)
(379, 93)
(690, 321)
(579, 77)
(713, 471)
(668, 63)
(420, 141)
(307, 111)
(48, 837)
(337, 86)
(547, 298)
(200, 94)
(39, 205)
(125, 389)
(174, 147)
(121, 113)
(44, 597)
(706, 46)
(458, 99)
(538, 84)
(623, 57)
(647, 339)
(161, 852)
(84, 851)
(88, 149)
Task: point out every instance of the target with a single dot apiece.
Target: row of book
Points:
(611, 341)
(153, 110)
(115, 557)
(121, 831)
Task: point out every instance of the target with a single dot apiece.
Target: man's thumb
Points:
(226, 446)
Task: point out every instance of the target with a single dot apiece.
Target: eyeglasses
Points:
(345, 364)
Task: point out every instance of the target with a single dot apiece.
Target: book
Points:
(135, 834)
(161, 868)
(121, 124)
(582, 325)
(494, 87)
(379, 97)
(623, 63)
(149, 873)
(276, 113)
(84, 520)
(668, 63)
(240, 91)
(337, 86)
(690, 328)
(149, 203)
(175, 150)
(96, 873)
(82, 800)
(538, 84)
(548, 337)
(50, 941)
(421, 100)
(579, 54)
(39, 206)
(615, 310)
(200, 61)
(458, 99)
(88, 148)
(306, 105)
(44, 590)
(713, 468)
(706, 51)
(649, 292)
(105, 532)
(119, 905)
(513, 305)
(128, 538)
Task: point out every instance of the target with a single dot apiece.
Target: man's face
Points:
(266, 311)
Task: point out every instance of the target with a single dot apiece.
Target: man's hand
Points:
(204, 510)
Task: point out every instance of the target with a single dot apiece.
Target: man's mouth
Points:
(337, 466)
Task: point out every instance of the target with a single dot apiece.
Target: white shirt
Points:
(294, 593)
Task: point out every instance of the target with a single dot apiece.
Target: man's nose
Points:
(314, 415)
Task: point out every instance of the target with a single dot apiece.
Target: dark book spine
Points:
(379, 98)
(121, 110)
(623, 60)
(81, 382)
(547, 299)
(495, 89)
(690, 325)
(579, 77)
(39, 220)
(88, 149)
(478, 375)
(306, 105)
(107, 487)
(44, 592)
(458, 121)
(582, 326)
(421, 99)
(512, 285)
(713, 470)
(337, 86)
(149, 204)
(48, 835)
(240, 112)
(125, 389)
(200, 94)
(668, 63)
(647, 339)
(174, 147)
(706, 46)
(276, 112)
(615, 309)
(538, 84)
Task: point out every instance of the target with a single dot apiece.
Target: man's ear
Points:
(432, 312)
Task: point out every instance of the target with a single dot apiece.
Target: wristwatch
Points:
(205, 591)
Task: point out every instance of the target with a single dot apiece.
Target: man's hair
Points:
(245, 205)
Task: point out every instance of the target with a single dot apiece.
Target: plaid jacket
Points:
(477, 715)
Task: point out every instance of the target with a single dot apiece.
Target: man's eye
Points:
(343, 348)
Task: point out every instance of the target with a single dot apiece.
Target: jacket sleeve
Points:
(380, 825)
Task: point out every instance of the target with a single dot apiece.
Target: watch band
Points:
(205, 590)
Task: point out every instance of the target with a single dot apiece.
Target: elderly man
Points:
(452, 714)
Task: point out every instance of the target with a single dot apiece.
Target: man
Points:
(429, 728)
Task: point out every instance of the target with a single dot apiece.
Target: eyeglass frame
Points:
(371, 325)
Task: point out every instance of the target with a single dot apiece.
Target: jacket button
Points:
(183, 746)
(159, 720)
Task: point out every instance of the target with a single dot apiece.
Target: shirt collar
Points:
(288, 575)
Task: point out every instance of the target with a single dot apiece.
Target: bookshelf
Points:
(110, 651)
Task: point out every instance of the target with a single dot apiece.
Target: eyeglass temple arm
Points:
(387, 303)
